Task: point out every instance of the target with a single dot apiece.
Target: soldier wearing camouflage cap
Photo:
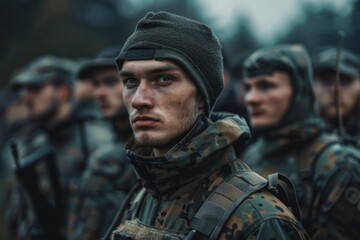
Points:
(348, 91)
(81, 141)
(184, 155)
(291, 140)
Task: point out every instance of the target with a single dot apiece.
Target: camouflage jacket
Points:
(175, 186)
(351, 128)
(326, 175)
(92, 173)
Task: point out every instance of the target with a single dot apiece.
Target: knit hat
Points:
(165, 36)
(295, 60)
(349, 63)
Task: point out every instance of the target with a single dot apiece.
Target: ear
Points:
(201, 105)
(226, 79)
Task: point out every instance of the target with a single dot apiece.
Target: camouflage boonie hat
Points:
(106, 58)
(349, 63)
(295, 60)
(46, 69)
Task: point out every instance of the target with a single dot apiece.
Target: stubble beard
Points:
(187, 120)
(49, 113)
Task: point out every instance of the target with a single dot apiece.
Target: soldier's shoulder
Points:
(337, 157)
(262, 206)
(259, 210)
(337, 182)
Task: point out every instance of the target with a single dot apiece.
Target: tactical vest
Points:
(212, 214)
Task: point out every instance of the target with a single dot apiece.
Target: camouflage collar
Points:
(193, 158)
(290, 136)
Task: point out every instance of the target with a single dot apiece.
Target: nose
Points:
(99, 91)
(25, 97)
(143, 96)
(252, 97)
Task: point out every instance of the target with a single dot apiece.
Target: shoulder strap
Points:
(282, 187)
(217, 208)
(318, 148)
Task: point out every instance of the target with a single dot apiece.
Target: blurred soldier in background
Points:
(84, 94)
(13, 116)
(348, 91)
(103, 74)
(326, 174)
(87, 178)
(19, 126)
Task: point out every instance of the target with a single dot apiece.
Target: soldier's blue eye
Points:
(163, 80)
(130, 82)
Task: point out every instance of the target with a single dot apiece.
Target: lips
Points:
(104, 107)
(144, 122)
(256, 113)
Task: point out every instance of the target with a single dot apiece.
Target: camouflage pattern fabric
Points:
(92, 170)
(326, 175)
(176, 185)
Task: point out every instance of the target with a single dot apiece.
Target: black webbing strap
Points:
(217, 208)
(282, 187)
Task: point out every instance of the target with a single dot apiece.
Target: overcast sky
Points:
(268, 18)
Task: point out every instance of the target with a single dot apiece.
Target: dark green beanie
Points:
(165, 36)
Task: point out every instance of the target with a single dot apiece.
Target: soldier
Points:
(172, 73)
(348, 90)
(102, 72)
(279, 98)
(10, 118)
(88, 179)
(84, 93)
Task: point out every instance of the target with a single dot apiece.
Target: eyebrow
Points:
(167, 68)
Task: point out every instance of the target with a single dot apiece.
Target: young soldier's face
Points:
(325, 88)
(267, 98)
(162, 101)
(108, 92)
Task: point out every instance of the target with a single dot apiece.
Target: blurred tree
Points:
(242, 43)
(74, 29)
(79, 29)
(321, 28)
